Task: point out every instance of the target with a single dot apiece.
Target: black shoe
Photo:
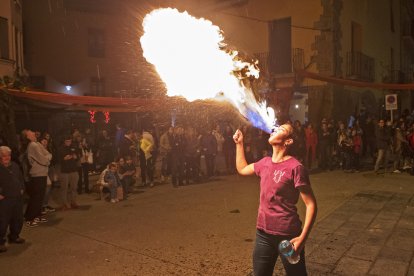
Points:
(17, 241)
(3, 248)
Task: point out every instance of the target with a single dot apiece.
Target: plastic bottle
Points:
(287, 250)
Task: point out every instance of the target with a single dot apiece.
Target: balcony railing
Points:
(395, 76)
(360, 66)
(266, 59)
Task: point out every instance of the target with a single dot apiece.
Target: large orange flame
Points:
(188, 55)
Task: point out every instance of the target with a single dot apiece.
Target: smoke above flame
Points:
(189, 56)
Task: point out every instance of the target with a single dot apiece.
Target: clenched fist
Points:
(238, 137)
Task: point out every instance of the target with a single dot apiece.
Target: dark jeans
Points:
(191, 169)
(325, 154)
(11, 216)
(147, 169)
(369, 147)
(177, 169)
(83, 172)
(210, 164)
(36, 189)
(126, 185)
(229, 158)
(166, 165)
(266, 252)
(347, 160)
(355, 161)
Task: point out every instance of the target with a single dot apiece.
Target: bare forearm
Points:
(241, 162)
(311, 211)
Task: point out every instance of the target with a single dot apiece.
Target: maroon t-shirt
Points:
(279, 193)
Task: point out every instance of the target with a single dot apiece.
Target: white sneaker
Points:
(114, 201)
(397, 171)
(32, 223)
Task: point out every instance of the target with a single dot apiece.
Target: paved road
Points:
(365, 226)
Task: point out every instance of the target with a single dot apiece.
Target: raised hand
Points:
(238, 137)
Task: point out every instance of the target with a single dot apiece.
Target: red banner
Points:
(87, 103)
(389, 86)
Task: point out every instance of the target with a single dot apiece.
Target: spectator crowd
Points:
(125, 159)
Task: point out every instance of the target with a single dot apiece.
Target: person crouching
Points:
(115, 185)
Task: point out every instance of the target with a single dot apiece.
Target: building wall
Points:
(57, 42)
(246, 27)
(377, 36)
(253, 36)
(323, 30)
(377, 39)
(406, 98)
(11, 10)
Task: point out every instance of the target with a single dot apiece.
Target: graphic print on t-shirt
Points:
(277, 175)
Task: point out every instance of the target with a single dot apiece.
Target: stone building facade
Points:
(92, 48)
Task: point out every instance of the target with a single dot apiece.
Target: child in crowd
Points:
(115, 186)
(127, 172)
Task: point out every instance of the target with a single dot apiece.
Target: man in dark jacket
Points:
(127, 145)
(178, 146)
(11, 202)
(69, 156)
(208, 146)
(324, 143)
(383, 136)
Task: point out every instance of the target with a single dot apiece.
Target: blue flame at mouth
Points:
(257, 121)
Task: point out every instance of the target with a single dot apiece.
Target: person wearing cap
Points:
(11, 201)
(283, 179)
